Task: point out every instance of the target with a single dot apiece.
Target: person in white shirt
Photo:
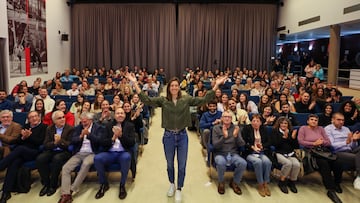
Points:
(48, 102)
(86, 140)
(74, 90)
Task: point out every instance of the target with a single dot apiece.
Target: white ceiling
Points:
(347, 28)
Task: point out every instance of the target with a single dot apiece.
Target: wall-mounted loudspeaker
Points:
(282, 36)
(64, 37)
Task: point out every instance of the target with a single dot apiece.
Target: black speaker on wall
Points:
(282, 36)
(64, 37)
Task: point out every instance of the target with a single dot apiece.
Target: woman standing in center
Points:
(175, 137)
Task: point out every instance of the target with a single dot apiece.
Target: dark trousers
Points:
(49, 164)
(348, 160)
(13, 162)
(325, 168)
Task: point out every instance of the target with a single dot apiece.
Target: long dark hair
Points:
(77, 104)
(42, 110)
(353, 107)
(243, 105)
(57, 103)
(168, 93)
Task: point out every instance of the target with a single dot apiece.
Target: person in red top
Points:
(60, 105)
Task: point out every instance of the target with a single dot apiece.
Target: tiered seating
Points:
(20, 117)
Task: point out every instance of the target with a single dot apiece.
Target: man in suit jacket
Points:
(27, 148)
(9, 132)
(86, 140)
(118, 141)
(50, 162)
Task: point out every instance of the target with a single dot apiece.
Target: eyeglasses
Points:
(58, 118)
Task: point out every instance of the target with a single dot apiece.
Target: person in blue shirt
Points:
(345, 145)
(319, 72)
(208, 120)
(67, 77)
(4, 102)
(22, 105)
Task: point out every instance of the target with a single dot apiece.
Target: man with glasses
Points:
(9, 131)
(27, 146)
(87, 141)
(227, 139)
(50, 162)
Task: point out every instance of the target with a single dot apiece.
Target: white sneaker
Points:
(178, 196)
(171, 190)
(357, 183)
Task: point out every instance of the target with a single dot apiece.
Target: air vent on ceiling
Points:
(351, 9)
(309, 20)
(281, 28)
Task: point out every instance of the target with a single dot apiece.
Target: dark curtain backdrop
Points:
(226, 35)
(207, 35)
(114, 35)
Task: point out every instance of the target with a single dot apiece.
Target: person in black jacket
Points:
(50, 162)
(285, 111)
(22, 105)
(325, 117)
(135, 117)
(351, 115)
(118, 141)
(86, 141)
(257, 144)
(285, 141)
(27, 149)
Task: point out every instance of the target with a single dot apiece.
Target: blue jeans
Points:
(238, 161)
(176, 142)
(104, 159)
(262, 166)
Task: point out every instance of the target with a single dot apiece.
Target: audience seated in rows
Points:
(278, 90)
(27, 147)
